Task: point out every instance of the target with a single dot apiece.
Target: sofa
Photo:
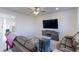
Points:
(35, 44)
(24, 44)
(68, 44)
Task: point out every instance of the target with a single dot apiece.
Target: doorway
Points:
(6, 22)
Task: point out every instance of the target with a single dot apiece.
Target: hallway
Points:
(2, 43)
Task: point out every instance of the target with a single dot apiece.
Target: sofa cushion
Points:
(67, 43)
(20, 47)
(77, 37)
(21, 39)
(76, 42)
(30, 44)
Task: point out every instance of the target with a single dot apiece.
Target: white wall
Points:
(24, 23)
(78, 18)
(28, 25)
(67, 21)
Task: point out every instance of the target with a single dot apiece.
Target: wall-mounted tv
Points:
(51, 24)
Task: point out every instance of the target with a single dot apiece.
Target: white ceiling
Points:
(29, 11)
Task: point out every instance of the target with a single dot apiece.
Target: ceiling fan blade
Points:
(43, 11)
(31, 8)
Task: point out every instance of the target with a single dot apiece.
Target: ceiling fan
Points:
(37, 10)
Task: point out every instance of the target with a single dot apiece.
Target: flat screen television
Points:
(51, 24)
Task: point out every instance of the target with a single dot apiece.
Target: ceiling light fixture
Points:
(36, 10)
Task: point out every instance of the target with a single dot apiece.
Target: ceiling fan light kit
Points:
(36, 10)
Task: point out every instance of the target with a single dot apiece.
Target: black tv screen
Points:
(52, 23)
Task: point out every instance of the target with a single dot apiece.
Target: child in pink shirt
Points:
(10, 36)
